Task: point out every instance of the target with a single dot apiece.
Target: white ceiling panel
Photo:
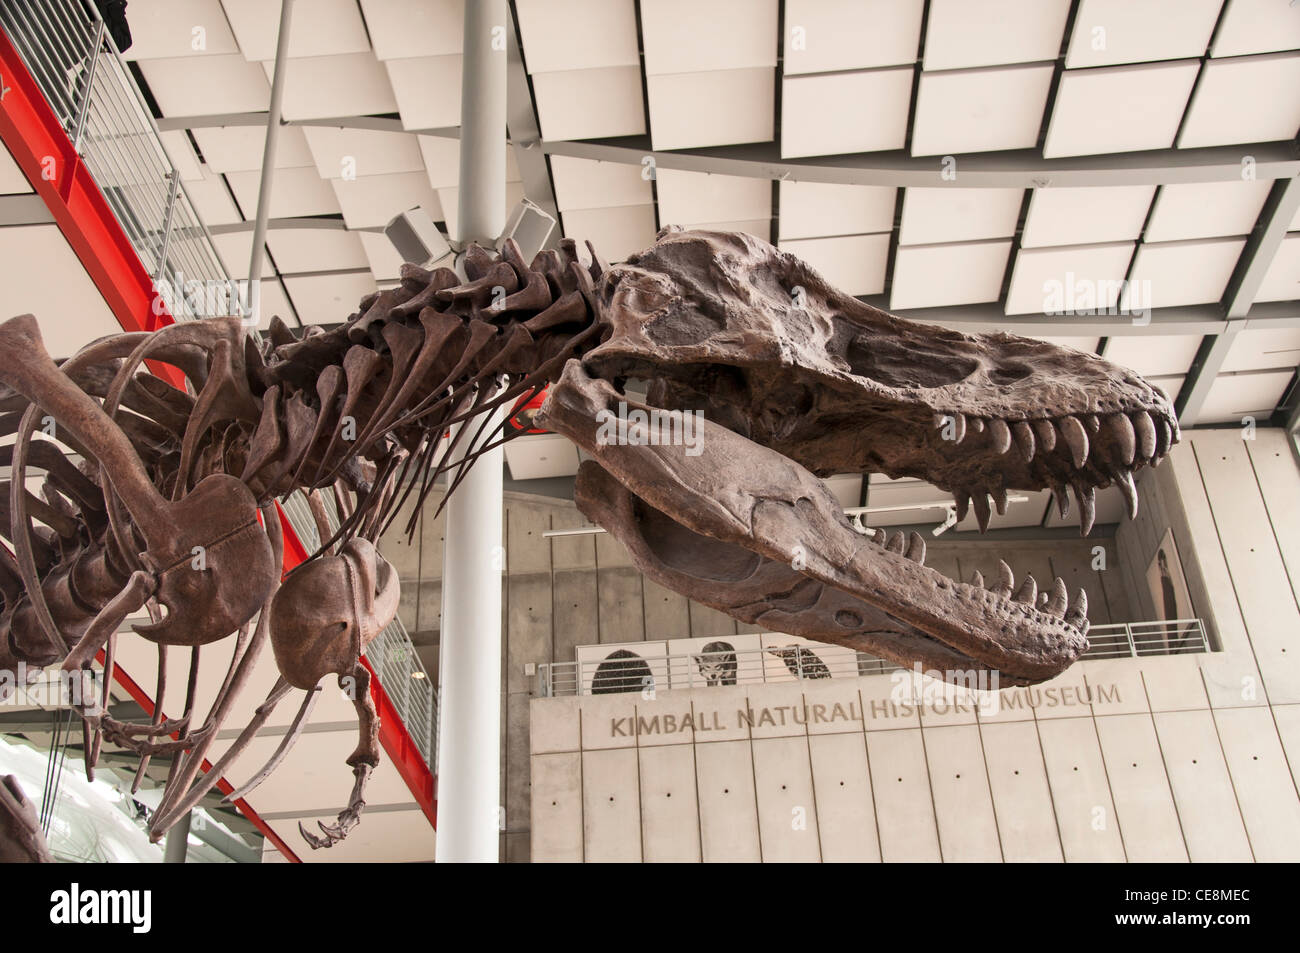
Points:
(588, 183)
(322, 87)
(980, 110)
(1282, 280)
(1071, 278)
(928, 276)
(319, 28)
(684, 36)
(1246, 99)
(1086, 216)
(294, 192)
(845, 112)
(617, 231)
(449, 198)
(275, 303)
(845, 487)
(966, 33)
(590, 104)
(1170, 386)
(427, 89)
(931, 216)
(181, 153)
(538, 456)
(1087, 345)
(211, 199)
(204, 85)
(166, 28)
(343, 153)
(1257, 26)
(239, 148)
(1119, 109)
(1111, 32)
(855, 264)
(701, 197)
(826, 35)
(442, 161)
(384, 261)
(236, 251)
(70, 310)
(372, 200)
(1263, 349)
(1206, 210)
(328, 299)
(1234, 396)
(12, 179)
(1171, 274)
(718, 108)
(819, 209)
(1154, 354)
(314, 249)
(578, 34)
(405, 28)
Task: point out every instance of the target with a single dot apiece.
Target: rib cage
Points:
(361, 408)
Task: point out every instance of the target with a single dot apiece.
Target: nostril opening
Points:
(1009, 373)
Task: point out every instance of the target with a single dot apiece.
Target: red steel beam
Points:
(41, 148)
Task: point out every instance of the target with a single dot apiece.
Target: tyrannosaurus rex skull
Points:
(796, 380)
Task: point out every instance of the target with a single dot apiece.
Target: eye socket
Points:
(1010, 373)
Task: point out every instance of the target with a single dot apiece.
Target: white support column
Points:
(469, 740)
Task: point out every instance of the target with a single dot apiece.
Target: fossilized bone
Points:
(795, 380)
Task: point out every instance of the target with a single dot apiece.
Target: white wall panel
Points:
(1203, 790)
(963, 806)
(728, 812)
(846, 812)
(670, 817)
(611, 806)
(557, 807)
(1144, 802)
(787, 807)
(1266, 791)
(1080, 792)
(904, 808)
(1021, 796)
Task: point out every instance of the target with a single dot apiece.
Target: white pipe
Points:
(254, 317)
(469, 737)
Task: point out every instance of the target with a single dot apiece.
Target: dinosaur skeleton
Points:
(794, 379)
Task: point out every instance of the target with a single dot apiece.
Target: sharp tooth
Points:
(1177, 434)
(976, 424)
(1124, 440)
(916, 548)
(1062, 499)
(1024, 439)
(977, 580)
(1000, 434)
(1164, 437)
(1124, 480)
(1057, 601)
(1144, 429)
(1000, 500)
(1028, 591)
(895, 544)
(1094, 424)
(1076, 439)
(962, 499)
(981, 502)
(1078, 609)
(1042, 600)
(1045, 433)
(1087, 507)
(1005, 579)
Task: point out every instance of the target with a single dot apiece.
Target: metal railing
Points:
(391, 654)
(755, 666)
(67, 50)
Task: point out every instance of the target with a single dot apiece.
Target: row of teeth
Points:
(1054, 603)
(1134, 439)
